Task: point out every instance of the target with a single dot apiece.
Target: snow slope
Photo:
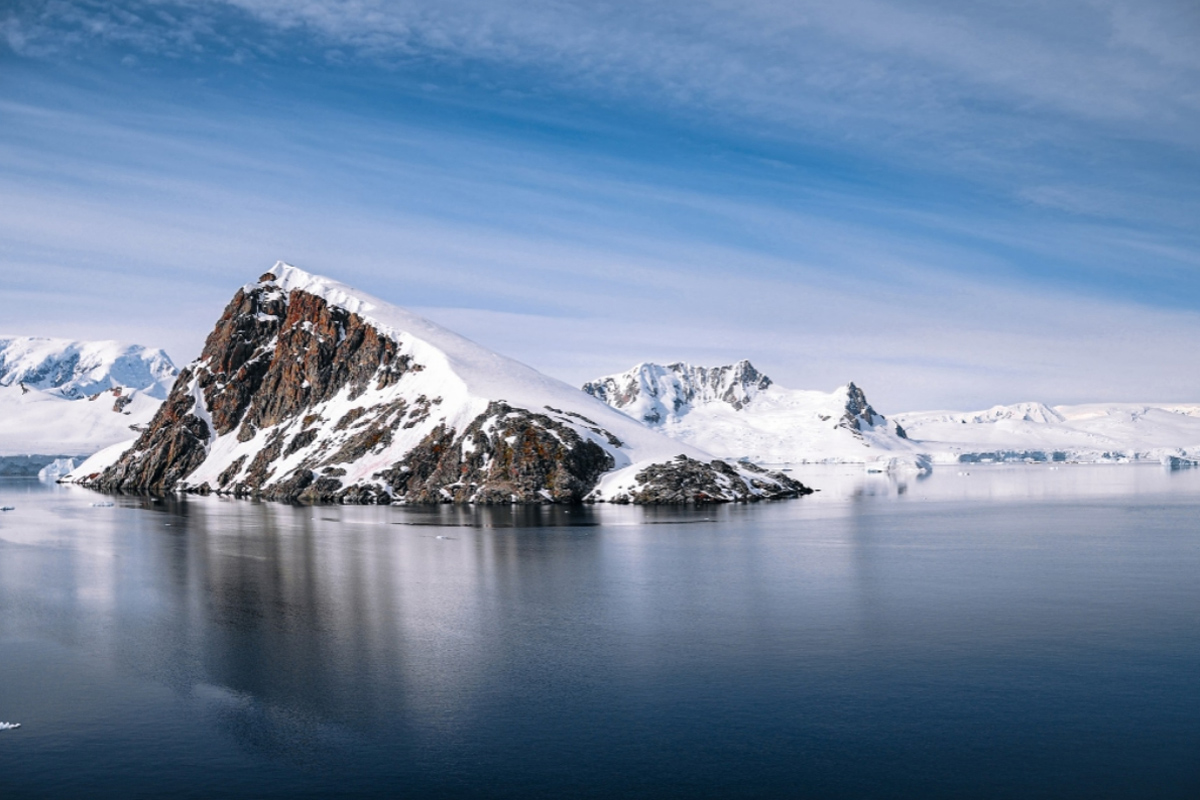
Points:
(735, 411)
(1095, 432)
(65, 397)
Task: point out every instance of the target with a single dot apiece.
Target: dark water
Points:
(1017, 632)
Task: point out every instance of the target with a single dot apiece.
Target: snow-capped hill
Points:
(67, 398)
(1022, 412)
(1035, 432)
(310, 389)
(74, 370)
(654, 393)
(737, 412)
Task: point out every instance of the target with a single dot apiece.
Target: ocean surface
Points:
(1015, 632)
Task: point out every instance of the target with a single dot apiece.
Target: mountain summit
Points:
(309, 389)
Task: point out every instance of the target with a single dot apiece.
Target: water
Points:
(1012, 632)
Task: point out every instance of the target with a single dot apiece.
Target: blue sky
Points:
(953, 205)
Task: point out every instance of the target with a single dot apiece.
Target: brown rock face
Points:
(272, 358)
(177, 438)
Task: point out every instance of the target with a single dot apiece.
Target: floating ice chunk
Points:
(56, 469)
(8, 726)
(102, 505)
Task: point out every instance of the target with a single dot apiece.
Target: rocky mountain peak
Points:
(655, 393)
(860, 416)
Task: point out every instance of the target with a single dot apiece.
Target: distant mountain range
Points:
(67, 398)
(310, 389)
(1093, 433)
(737, 412)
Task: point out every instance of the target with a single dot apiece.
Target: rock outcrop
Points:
(686, 480)
(309, 390)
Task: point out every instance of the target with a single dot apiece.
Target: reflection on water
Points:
(1012, 631)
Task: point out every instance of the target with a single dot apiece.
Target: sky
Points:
(951, 204)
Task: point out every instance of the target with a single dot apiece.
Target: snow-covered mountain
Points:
(74, 370)
(64, 397)
(310, 389)
(1096, 432)
(737, 412)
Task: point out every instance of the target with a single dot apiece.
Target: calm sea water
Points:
(1012, 632)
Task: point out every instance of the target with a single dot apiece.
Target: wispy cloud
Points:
(938, 200)
(1106, 60)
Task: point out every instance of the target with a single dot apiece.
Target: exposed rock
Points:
(505, 455)
(859, 414)
(172, 446)
(686, 480)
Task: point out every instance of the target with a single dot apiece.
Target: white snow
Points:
(727, 411)
(98, 462)
(73, 398)
(772, 425)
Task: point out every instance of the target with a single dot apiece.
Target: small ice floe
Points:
(8, 726)
(444, 537)
(8, 508)
(102, 505)
(56, 470)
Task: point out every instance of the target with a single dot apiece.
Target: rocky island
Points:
(310, 390)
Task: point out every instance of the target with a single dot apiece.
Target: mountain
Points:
(74, 370)
(64, 398)
(1096, 432)
(736, 411)
(309, 389)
